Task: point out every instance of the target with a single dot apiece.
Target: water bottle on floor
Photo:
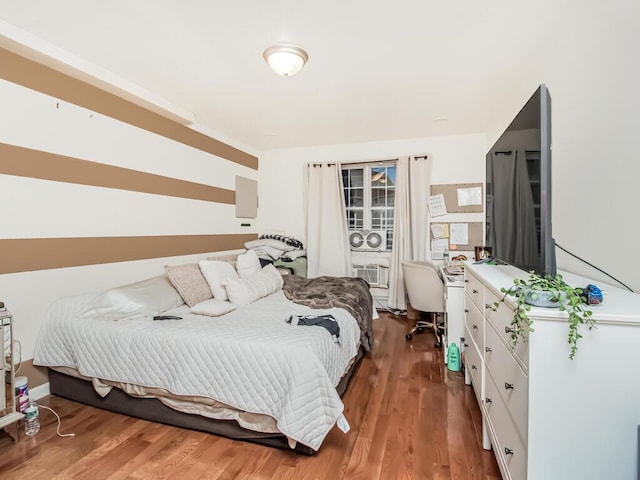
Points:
(31, 420)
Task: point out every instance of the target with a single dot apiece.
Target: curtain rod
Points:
(323, 164)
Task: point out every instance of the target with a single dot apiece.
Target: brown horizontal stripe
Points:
(25, 162)
(37, 375)
(28, 73)
(29, 254)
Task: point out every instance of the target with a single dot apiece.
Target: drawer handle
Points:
(475, 327)
(508, 330)
(488, 349)
(474, 291)
(508, 386)
(487, 400)
(466, 280)
(473, 367)
(508, 451)
(466, 310)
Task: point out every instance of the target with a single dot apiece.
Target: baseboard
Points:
(36, 393)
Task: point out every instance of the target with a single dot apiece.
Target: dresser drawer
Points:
(501, 321)
(474, 289)
(511, 381)
(474, 364)
(474, 323)
(510, 452)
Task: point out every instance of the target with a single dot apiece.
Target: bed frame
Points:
(151, 409)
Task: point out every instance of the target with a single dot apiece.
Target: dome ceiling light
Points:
(285, 59)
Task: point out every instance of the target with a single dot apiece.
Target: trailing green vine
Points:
(565, 297)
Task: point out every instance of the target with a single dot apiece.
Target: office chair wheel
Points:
(438, 344)
(408, 336)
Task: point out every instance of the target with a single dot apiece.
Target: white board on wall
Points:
(246, 197)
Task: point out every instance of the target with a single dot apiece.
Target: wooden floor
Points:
(410, 418)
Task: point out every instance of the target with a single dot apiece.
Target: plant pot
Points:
(543, 298)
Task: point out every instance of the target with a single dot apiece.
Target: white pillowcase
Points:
(215, 272)
(213, 308)
(139, 299)
(243, 291)
(248, 264)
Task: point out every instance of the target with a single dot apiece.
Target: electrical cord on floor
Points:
(59, 422)
(593, 266)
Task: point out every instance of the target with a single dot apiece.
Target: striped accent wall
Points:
(99, 192)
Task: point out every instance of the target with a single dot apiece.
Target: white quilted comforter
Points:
(250, 359)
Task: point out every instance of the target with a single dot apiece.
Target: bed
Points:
(247, 374)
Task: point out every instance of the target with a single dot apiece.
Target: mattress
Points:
(251, 359)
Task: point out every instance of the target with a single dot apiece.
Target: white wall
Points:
(34, 208)
(593, 77)
(455, 159)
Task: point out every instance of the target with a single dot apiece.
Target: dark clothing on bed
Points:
(325, 321)
(351, 294)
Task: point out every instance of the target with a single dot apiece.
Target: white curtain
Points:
(410, 223)
(328, 250)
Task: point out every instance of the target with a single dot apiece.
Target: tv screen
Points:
(518, 190)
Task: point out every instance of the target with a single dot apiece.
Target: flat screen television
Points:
(518, 190)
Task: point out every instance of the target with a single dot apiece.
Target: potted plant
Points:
(547, 291)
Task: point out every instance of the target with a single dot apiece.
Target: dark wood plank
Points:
(410, 418)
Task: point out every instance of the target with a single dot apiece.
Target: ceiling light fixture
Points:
(285, 59)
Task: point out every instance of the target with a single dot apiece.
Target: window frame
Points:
(367, 206)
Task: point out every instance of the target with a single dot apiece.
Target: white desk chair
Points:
(425, 290)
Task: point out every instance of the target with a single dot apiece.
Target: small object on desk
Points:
(592, 295)
(484, 260)
(454, 269)
(167, 317)
(460, 258)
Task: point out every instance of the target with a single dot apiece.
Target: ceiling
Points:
(377, 70)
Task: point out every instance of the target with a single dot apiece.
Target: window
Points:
(369, 196)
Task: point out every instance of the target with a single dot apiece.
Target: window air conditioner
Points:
(368, 240)
(375, 275)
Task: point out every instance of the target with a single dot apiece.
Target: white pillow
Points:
(248, 264)
(215, 273)
(243, 291)
(144, 298)
(213, 308)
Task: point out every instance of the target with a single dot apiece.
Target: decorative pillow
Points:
(213, 308)
(248, 264)
(144, 298)
(189, 282)
(214, 273)
(243, 291)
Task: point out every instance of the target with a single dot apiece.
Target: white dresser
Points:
(545, 416)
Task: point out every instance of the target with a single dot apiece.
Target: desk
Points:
(454, 310)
